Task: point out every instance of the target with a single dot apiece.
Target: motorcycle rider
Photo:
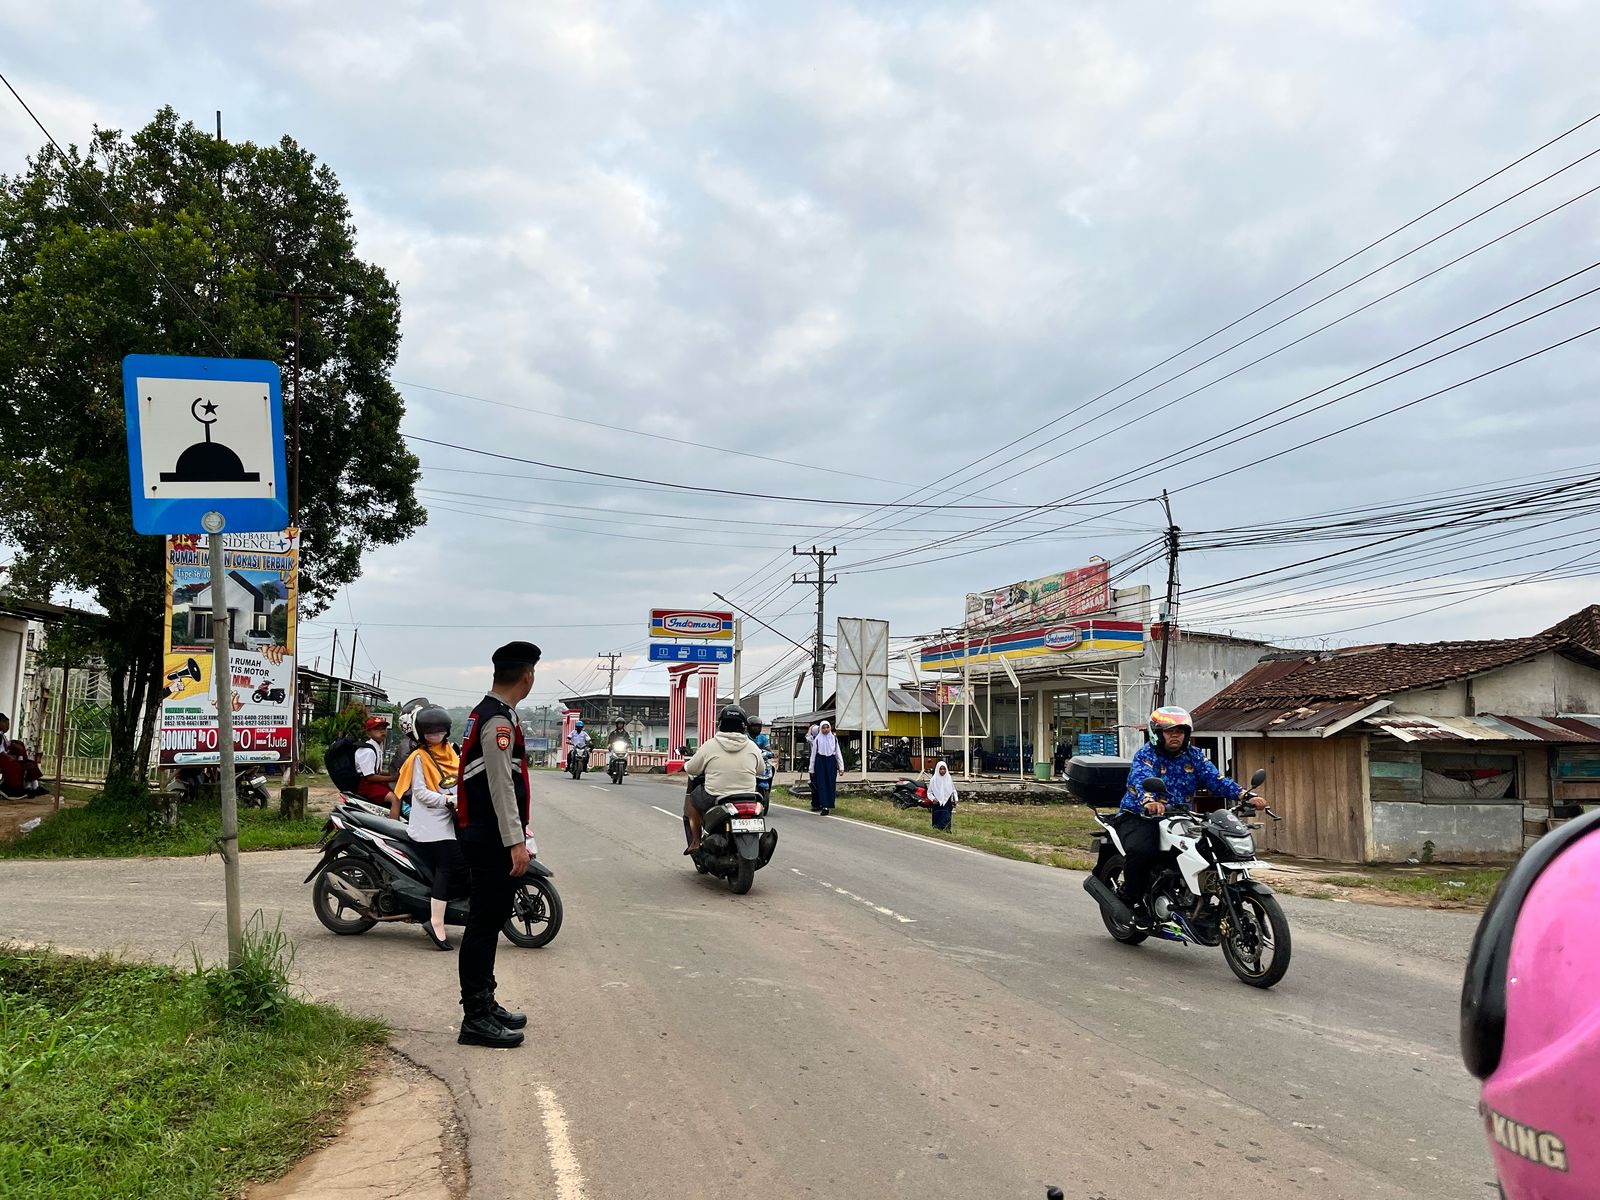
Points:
(1170, 757)
(728, 763)
(620, 730)
(375, 782)
(577, 741)
(1528, 1018)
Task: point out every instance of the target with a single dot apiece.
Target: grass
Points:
(130, 1081)
(110, 832)
(1054, 834)
(1467, 886)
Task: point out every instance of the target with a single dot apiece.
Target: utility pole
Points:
(611, 686)
(355, 636)
(1169, 612)
(821, 582)
(738, 662)
(333, 668)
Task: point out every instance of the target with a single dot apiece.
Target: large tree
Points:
(173, 242)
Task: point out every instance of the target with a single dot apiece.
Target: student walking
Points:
(942, 796)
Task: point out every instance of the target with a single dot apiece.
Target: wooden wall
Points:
(1318, 787)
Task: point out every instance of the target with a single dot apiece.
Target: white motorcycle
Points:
(1201, 891)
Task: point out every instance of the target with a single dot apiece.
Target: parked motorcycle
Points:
(265, 692)
(735, 842)
(577, 761)
(370, 872)
(908, 793)
(617, 759)
(893, 756)
(1201, 891)
(249, 785)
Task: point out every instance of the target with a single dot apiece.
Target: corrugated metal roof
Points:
(1307, 719)
(1485, 728)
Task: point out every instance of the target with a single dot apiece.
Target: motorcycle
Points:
(908, 793)
(266, 692)
(577, 761)
(1201, 891)
(617, 759)
(896, 756)
(369, 872)
(249, 785)
(735, 842)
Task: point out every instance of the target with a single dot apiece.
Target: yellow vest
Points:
(440, 766)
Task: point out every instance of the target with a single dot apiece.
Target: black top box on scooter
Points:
(1098, 779)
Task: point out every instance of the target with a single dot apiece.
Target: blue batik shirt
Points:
(765, 744)
(1184, 773)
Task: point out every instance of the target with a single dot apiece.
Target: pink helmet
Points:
(1530, 1018)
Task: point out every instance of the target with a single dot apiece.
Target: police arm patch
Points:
(502, 738)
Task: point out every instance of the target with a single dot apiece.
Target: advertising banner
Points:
(1079, 592)
(262, 576)
(1085, 638)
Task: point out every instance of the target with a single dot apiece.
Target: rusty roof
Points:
(1309, 719)
(1369, 673)
(1487, 728)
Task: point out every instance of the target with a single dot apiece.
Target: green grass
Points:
(109, 832)
(1467, 886)
(1055, 834)
(124, 1081)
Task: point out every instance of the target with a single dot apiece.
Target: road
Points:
(882, 1016)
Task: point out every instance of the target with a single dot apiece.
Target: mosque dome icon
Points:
(208, 461)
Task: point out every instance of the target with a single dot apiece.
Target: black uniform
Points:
(492, 817)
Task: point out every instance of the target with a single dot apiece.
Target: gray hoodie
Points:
(730, 762)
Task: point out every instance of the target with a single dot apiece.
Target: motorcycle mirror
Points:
(1259, 777)
(1155, 786)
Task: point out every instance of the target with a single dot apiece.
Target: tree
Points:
(173, 242)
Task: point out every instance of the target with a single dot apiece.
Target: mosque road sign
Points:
(205, 435)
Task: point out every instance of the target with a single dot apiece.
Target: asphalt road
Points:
(882, 1016)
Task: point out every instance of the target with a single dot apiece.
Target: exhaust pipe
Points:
(1109, 901)
(350, 892)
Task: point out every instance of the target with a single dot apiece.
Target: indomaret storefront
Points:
(1065, 665)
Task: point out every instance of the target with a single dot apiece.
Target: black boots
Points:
(511, 1020)
(481, 1024)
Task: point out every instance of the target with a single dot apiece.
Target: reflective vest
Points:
(474, 805)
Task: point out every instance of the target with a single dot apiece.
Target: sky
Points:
(848, 254)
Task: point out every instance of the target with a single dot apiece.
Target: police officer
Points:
(492, 819)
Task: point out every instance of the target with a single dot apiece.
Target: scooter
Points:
(1201, 891)
(266, 692)
(617, 759)
(735, 842)
(370, 872)
(249, 785)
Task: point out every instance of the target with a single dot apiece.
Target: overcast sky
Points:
(879, 241)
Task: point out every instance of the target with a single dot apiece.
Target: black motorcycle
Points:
(735, 841)
(895, 756)
(370, 871)
(577, 761)
(617, 759)
(266, 692)
(249, 785)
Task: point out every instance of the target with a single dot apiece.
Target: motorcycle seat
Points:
(376, 824)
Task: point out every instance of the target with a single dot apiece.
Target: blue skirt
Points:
(827, 784)
(942, 814)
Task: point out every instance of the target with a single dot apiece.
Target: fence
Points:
(87, 748)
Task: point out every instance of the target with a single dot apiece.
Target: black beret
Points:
(516, 654)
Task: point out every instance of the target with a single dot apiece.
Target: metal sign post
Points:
(206, 454)
(863, 679)
(1011, 673)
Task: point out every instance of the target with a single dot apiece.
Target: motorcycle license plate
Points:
(747, 825)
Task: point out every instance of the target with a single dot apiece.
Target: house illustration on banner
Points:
(250, 609)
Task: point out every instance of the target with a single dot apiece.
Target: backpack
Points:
(339, 760)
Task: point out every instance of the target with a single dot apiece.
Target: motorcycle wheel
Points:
(331, 908)
(1110, 874)
(1257, 949)
(535, 914)
(745, 877)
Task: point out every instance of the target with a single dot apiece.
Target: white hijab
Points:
(826, 745)
(941, 788)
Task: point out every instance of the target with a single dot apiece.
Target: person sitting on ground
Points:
(942, 796)
(20, 776)
(727, 765)
(376, 784)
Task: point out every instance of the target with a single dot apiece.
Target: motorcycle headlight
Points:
(1242, 847)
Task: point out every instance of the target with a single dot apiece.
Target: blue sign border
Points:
(183, 516)
(672, 652)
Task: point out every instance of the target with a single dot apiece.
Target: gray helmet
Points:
(432, 719)
(732, 720)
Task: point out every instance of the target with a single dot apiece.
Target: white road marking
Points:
(598, 788)
(665, 813)
(878, 908)
(916, 837)
(563, 1160)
